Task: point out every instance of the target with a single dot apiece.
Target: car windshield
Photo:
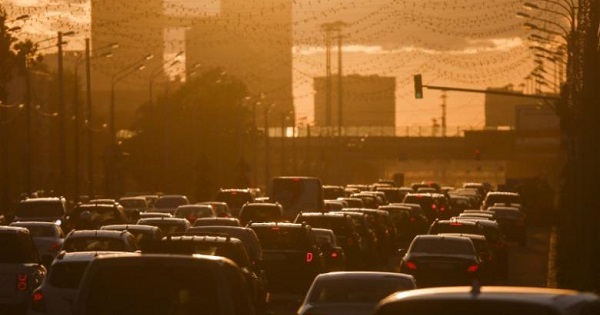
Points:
(16, 250)
(282, 238)
(153, 288)
(356, 290)
(67, 275)
(39, 209)
(441, 246)
(84, 244)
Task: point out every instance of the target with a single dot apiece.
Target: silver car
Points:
(57, 293)
(48, 238)
(352, 293)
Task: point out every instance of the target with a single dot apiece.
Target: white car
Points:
(356, 292)
(47, 236)
(58, 291)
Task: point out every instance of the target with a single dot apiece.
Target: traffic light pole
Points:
(537, 96)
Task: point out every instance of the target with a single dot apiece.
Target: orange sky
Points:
(463, 43)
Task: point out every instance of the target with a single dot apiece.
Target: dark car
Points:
(167, 225)
(345, 231)
(435, 206)
(436, 260)
(291, 256)
(217, 221)
(365, 226)
(50, 209)
(219, 245)
(163, 284)
(94, 216)
(21, 270)
(260, 212)
(507, 198)
(235, 199)
(512, 222)
(335, 257)
(407, 222)
(246, 235)
(145, 235)
(169, 203)
(474, 300)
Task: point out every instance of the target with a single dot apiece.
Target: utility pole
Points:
(340, 76)
(89, 115)
(62, 155)
(328, 110)
(267, 149)
(444, 97)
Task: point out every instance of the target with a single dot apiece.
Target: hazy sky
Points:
(463, 43)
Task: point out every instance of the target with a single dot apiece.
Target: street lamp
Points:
(62, 156)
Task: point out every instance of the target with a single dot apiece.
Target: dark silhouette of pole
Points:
(28, 138)
(76, 130)
(267, 149)
(89, 116)
(340, 76)
(283, 118)
(62, 155)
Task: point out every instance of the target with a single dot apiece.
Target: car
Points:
(333, 192)
(486, 256)
(368, 258)
(99, 240)
(260, 212)
(235, 199)
(421, 223)
(167, 225)
(58, 291)
(216, 244)
(163, 284)
(93, 216)
(220, 208)
(226, 221)
(145, 235)
(436, 260)
(369, 200)
(246, 235)
(291, 256)
(134, 204)
(334, 205)
(384, 228)
(393, 194)
(504, 197)
(345, 232)
(512, 222)
(193, 212)
(45, 209)
(335, 258)
(169, 203)
(47, 237)
(352, 202)
(493, 300)
(356, 292)
(435, 206)
(21, 270)
(145, 215)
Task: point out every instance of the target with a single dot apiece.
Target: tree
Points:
(7, 54)
(191, 141)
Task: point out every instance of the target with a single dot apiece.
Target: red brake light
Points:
(54, 246)
(22, 282)
(473, 268)
(275, 228)
(456, 224)
(334, 254)
(234, 192)
(434, 206)
(412, 219)
(309, 257)
(38, 303)
(411, 265)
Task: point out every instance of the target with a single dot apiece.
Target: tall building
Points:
(137, 27)
(367, 101)
(251, 40)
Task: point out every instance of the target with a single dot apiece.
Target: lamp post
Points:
(113, 153)
(62, 154)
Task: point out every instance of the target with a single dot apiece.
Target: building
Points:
(250, 40)
(367, 101)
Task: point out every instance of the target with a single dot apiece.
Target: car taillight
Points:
(473, 268)
(334, 255)
(22, 282)
(442, 209)
(309, 257)
(411, 265)
(38, 303)
(434, 206)
(54, 246)
(412, 219)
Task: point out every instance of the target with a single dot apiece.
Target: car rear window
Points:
(15, 249)
(278, 238)
(81, 244)
(261, 213)
(41, 230)
(357, 290)
(339, 225)
(39, 209)
(455, 228)
(153, 287)
(67, 275)
(194, 211)
(442, 246)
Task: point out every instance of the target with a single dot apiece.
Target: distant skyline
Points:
(466, 43)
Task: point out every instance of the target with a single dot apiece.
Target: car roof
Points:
(505, 193)
(81, 256)
(321, 214)
(203, 238)
(13, 229)
(162, 219)
(278, 224)
(33, 223)
(557, 298)
(363, 275)
(471, 236)
(41, 199)
(133, 227)
(95, 233)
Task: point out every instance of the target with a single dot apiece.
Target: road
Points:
(528, 267)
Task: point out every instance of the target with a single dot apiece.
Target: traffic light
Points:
(418, 86)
